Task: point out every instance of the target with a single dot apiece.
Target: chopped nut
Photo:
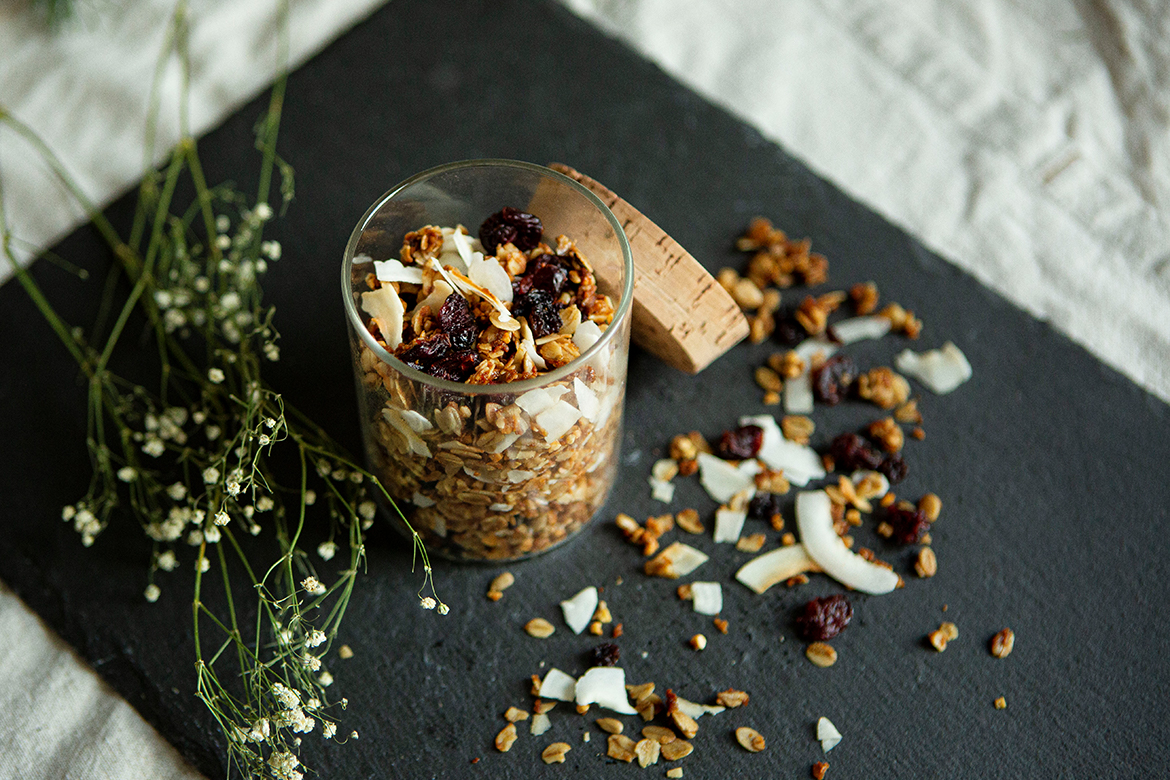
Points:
(685, 592)
(750, 739)
(888, 499)
(931, 506)
(674, 773)
(596, 628)
(750, 544)
(543, 706)
(612, 725)
(788, 365)
(506, 738)
(788, 539)
(500, 584)
(727, 277)
(1002, 643)
(513, 714)
(747, 294)
(345, 652)
(883, 387)
(951, 630)
(768, 379)
(620, 747)
(665, 469)
(865, 297)
(555, 753)
(908, 413)
(647, 751)
(797, 428)
(1001, 703)
(777, 523)
(888, 434)
(661, 734)
(821, 654)
(761, 325)
(927, 564)
(943, 634)
(688, 520)
(536, 687)
(731, 698)
(683, 448)
(819, 769)
(698, 641)
(539, 628)
(721, 625)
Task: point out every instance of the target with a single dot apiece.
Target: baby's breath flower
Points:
(312, 585)
(212, 431)
(229, 301)
(177, 491)
(202, 284)
(427, 602)
(249, 511)
(263, 212)
(271, 249)
(203, 564)
(223, 242)
(195, 538)
(302, 723)
(313, 704)
(260, 730)
(443, 608)
(222, 518)
(264, 503)
(315, 638)
(311, 662)
(328, 730)
(212, 534)
(153, 447)
(284, 766)
(272, 352)
(325, 679)
(327, 550)
(339, 475)
(68, 512)
(310, 497)
(167, 561)
(367, 509)
(353, 734)
(127, 474)
(152, 593)
(287, 697)
(265, 440)
(323, 468)
(215, 375)
(210, 475)
(222, 223)
(270, 423)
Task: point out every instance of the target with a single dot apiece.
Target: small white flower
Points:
(254, 529)
(215, 375)
(339, 475)
(443, 608)
(167, 561)
(272, 352)
(325, 679)
(312, 662)
(212, 534)
(162, 298)
(195, 538)
(323, 468)
(232, 487)
(264, 503)
(222, 223)
(367, 509)
(328, 730)
(353, 734)
(152, 593)
(127, 474)
(213, 431)
(310, 497)
(177, 491)
(221, 518)
(154, 447)
(287, 697)
(249, 511)
(271, 249)
(285, 636)
(203, 564)
(173, 319)
(67, 512)
(261, 266)
(202, 284)
(210, 475)
(270, 423)
(263, 212)
(265, 440)
(230, 301)
(225, 266)
(223, 242)
(427, 602)
(327, 550)
(315, 638)
(313, 585)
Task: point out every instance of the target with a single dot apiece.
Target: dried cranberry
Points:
(455, 365)
(824, 618)
(433, 355)
(542, 311)
(739, 443)
(894, 468)
(909, 524)
(605, 654)
(457, 322)
(832, 379)
(851, 452)
(510, 225)
(764, 506)
(546, 272)
(788, 331)
(425, 351)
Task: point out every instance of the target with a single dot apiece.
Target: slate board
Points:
(1052, 468)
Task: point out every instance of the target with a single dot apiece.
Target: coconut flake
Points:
(722, 480)
(800, 463)
(605, 686)
(579, 609)
(682, 559)
(528, 345)
(587, 400)
(490, 275)
(540, 724)
(798, 394)
(697, 711)
(660, 490)
(467, 287)
(504, 443)
(419, 500)
(728, 524)
(557, 420)
(827, 733)
(399, 423)
(941, 370)
(558, 685)
(859, 328)
(461, 243)
(417, 422)
(586, 335)
(439, 292)
(386, 309)
(535, 401)
(393, 270)
(764, 571)
(707, 597)
(362, 259)
(815, 520)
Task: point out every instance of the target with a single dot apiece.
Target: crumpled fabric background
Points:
(1027, 141)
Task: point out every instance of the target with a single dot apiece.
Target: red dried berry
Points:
(909, 525)
(764, 506)
(824, 618)
(546, 272)
(831, 381)
(894, 468)
(455, 365)
(788, 331)
(509, 225)
(605, 654)
(851, 452)
(542, 311)
(739, 443)
(457, 322)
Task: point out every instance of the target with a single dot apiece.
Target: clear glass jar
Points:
(493, 471)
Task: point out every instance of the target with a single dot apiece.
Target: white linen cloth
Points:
(1027, 141)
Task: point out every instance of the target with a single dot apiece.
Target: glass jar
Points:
(493, 471)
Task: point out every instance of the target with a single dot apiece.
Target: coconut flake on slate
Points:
(860, 328)
(393, 270)
(605, 686)
(557, 420)
(579, 609)
(942, 370)
(728, 524)
(386, 309)
(798, 394)
(799, 462)
(722, 480)
(540, 724)
(707, 597)
(661, 491)
(764, 571)
(683, 558)
(587, 400)
(828, 735)
(814, 518)
(586, 335)
(697, 711)
(558, 685)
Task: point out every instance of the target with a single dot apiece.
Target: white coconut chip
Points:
(800, 463)
(467, 287)
(439, 292)
(814, 518)
(399, 423)
(661, 491)
(707, 597)
(419, 500)
(697, 711)
(860, 475)
(827, 733)
(579, 609)
(557, 420)
(859, 328)
(586, 335)
(798, 394)
(941, 370)
(605, 686)
(504, 443)
(461, 243)
(535, 401)
(683, 558)
(728, 524)
(722, 480)
(558, 685)
(417, 422)
(490, 275)
(540, 724)
(393, 270)
(764, 571)
(529, 345)
(587, 400)
(362, 259)
(386, 309)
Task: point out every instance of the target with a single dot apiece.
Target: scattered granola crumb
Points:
(1002, 643)
(887, 433)
(660, 734)
(676, 772)
(345, 652)
(927, 564)
(585, 737)
(731, 698)
(888, 499)
(506, 738)
(751, 543)
(750, 739)
(500, 584)
(514, 714)
(770, 399)
(647, 751)
(596, 628)
(796, 579)
(688, 520)
(618, 630)
(819, 769)
(788, 539)
(698, 641)
(864, 297)
(582, 709)
(620, 747)
(821, 654)
(931, 506)
(768, 379)
(1001, 703)
(680, 748)
(543, 706)
(918, 433)
(720, 625)
(883, 387)
(539, 628)
(610, 725)
(685, 592)
(942, 635)
(555, 753)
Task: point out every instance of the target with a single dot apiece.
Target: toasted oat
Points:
(761, 325)
(926, 565)
(747, 294)
(647, 710)
(777, 523)
(884, 530)
(640, 692)
(543, 706)
(345, 652)
(555, 753)
(1003, 642)
(1001, 703)
(819, 769)
(751, 543)
(883, 387)
(514, 714)
(688, 520)
(853, 517)
(685, 592)
(665, 469)
(661, 734)
(772, 481)
(771, 398)
(596, 628)
(698, 642)
(865, 297)
(768, 379)
(629, 528)
(582, 709)
(750, 739)
(500, 584)
(679, 748)
(942, 635)
(788, 365)
(611, 725)
(731, 698)
(821, 654)
(647, 751)
(918, 433)
(539, 628)
(657, 526)
(506, 738)
(727, 277)
(683, 448)
(887, 433)
(797, 428)
(620, 747)
(931, 506)
(902, 320)
(674, 773)
(649, 545)
(536, 686)
(888, 499)
(686, 725)
(908, 413)
(720, 625)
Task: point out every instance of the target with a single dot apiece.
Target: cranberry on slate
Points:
(824, 618)
(605, 654)
(832, 379)
(788, 331)
(520, 228)
(851, 452)
(894, 468)
(764, 506)
(739, 443)
(909, 525)
(457, 322)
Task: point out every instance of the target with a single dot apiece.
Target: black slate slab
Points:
(1052, 468)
